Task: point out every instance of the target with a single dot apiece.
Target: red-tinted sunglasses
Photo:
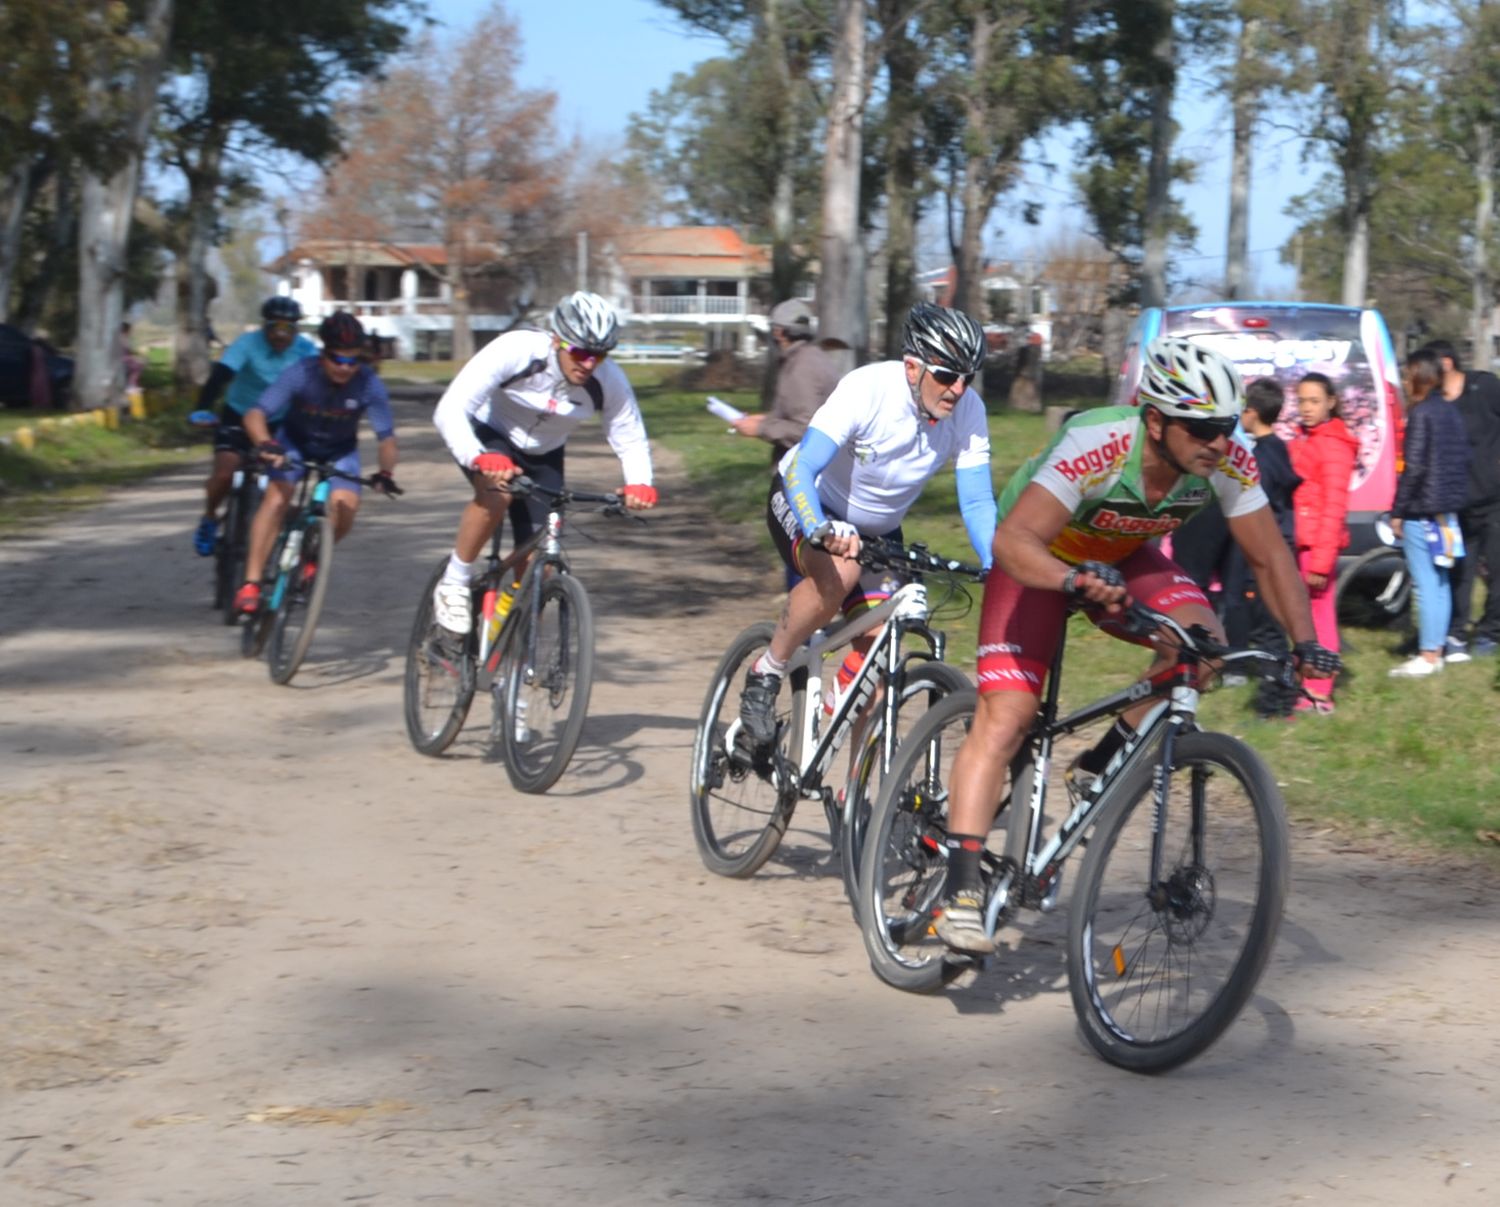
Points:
(586, 355)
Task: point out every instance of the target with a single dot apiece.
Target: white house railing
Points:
(692, 306)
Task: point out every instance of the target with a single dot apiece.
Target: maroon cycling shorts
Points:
(1019, 626)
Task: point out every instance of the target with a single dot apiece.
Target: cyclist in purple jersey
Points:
(316, 407)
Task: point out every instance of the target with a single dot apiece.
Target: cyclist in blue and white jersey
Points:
(511, 410)
(884, 432)
(315, 408)
(248, 366)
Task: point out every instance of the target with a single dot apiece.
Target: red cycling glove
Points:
(640, 494)
(493, 463)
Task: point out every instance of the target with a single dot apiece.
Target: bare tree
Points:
(841, 292)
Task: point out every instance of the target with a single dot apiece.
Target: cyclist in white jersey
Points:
(511, 410)
(1076, 522)
(886, 429)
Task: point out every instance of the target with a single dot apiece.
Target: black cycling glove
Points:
(1110, 576)
(385, 484)
(270, 448)
(1321, 663)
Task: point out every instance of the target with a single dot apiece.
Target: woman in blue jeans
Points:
(1433, 485)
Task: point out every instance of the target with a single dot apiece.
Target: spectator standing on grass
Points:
(1476, 395)
(1264, 399)
(805, 376)
(1433, 485)
(1323, 456)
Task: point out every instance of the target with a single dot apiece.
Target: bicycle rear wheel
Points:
(741, 798)
(1158, 971)
(904, 868)
(925, 684)
(441, 672)
(302, 601)
(547, 673)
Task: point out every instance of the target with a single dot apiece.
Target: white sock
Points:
(768, 665)
(459, 573)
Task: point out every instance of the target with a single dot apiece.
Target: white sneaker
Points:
(1415, 668)
(451, 606)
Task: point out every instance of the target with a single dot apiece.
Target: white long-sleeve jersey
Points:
(513, 386)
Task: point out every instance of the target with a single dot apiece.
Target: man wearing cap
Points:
(805, 377)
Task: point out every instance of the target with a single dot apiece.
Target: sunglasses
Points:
(1206, 429)
(282, 327)
(946, 377)
(586, 355)
(343, 360)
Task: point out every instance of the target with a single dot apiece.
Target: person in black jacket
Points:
(1476, 395)
(1264, 398)
(1433, 485)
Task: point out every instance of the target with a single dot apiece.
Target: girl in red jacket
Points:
(1324, 459)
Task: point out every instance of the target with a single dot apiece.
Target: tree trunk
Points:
(968, 287)
(463, 334)
(1356, 227)
(37, 287)
(192, 361)
(1242, 105)
(901, 206)
(1158, 216)
(1483, 319)
(104, 223)
(841, 282)
(21, 185)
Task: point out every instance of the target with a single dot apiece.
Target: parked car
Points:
(1284, 340)
(32, 372)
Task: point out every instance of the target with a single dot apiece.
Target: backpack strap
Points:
(591, 387)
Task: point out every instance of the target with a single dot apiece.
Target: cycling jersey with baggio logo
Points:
(322, 418)
(514, 387)
(1093, 467)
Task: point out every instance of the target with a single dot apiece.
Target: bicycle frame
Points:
(549, 542)
(904, 612)
(305, 508)
(1037, 863)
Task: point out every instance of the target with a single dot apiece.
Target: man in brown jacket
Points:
(805, 377)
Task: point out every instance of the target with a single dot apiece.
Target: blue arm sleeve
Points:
(809, 460)
(976, 503)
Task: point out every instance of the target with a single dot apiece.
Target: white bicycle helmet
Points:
(587, 321)
(1181, 378)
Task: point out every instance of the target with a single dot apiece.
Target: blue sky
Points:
(604, 57)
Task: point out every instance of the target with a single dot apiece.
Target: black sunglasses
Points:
(1206, 429)
(946, 377)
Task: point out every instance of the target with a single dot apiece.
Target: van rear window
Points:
(1269, 341)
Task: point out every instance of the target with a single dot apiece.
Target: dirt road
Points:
(256, 951)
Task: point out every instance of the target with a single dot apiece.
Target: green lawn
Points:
(1412, 760)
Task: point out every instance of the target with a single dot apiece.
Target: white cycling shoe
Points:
(452, 607)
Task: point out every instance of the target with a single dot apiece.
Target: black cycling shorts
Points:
(230, 436)
(528, 514)
(874, 586)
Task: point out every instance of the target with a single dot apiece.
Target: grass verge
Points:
(1405, 761)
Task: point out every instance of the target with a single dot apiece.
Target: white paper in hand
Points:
(720, 408)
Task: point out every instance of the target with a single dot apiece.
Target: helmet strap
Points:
(916, 397)
(1159, 447)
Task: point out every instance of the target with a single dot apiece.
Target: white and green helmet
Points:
(1184, 379)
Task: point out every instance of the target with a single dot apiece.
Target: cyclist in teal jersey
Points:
(248, 366)
(1075, 525)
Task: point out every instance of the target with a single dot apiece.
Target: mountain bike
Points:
(1180, 893)
(298, 571)
(536, 645)
(743, 796)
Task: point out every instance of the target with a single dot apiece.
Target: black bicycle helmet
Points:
(586, 320)
(281, 309)
(949, 339)
(341, 330)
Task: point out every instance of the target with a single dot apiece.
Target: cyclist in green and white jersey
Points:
(1075, 525)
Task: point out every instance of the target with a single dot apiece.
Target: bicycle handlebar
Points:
(612, 503)
(329, 470)
(876, 553)
(1142, 621)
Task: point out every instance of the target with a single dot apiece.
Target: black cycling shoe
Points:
(758, 707)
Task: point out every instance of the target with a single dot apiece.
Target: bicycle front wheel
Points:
(302, 600)
(441, 671)
(234, 544)
(547, 673)
(925, 684)
(1375, 591)
(904, 866)
(1159, 969)
(741, 799)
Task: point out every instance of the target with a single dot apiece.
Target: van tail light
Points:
(1256, 324)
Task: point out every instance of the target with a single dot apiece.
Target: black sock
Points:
(964, 851)
(1096, 759)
